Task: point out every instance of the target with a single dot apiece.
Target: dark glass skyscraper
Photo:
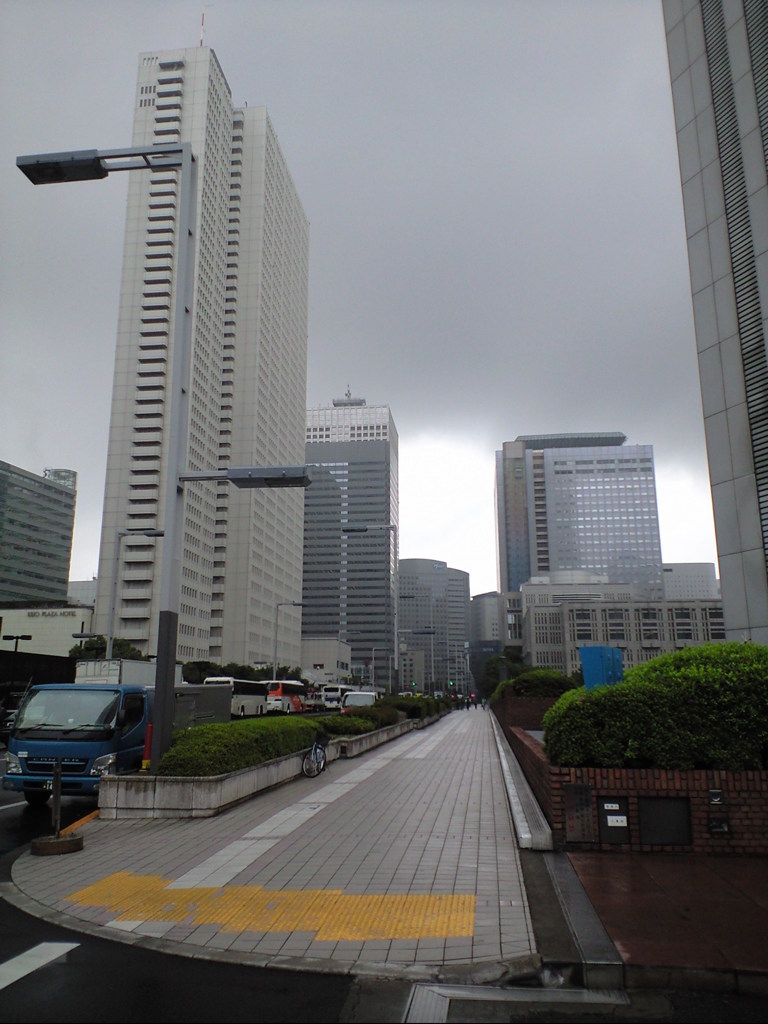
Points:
(37, 516)
(350, 530)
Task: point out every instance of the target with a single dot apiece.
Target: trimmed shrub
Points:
(702, 707)
(380, 714)
(535, 682)
(224, 747)
(346, 725)
(417, 707)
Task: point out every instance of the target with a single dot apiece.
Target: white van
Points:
(357, 699)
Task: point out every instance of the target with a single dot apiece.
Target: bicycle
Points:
(314, 760)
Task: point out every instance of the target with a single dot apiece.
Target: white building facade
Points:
(718, 61)
(241, 552)
(562, 614)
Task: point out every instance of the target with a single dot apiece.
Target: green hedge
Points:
(702, 707)
(535, 682)
(346, 725)
(224, 747)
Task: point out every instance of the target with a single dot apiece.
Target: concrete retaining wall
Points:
(154, 796)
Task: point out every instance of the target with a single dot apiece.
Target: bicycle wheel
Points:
(309, 765)
(320, 760)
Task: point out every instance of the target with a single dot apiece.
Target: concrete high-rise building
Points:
(350, 577)
(691, 580)
(37, 518)
(241, 551)
(435, 619)
(577, 502)
(562, 615)
(718, 61)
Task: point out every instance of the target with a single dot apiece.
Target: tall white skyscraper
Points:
(718, 62)
(241, 552)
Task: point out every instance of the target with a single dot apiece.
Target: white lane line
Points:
(35, 958)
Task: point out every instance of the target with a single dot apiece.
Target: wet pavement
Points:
(424, 860)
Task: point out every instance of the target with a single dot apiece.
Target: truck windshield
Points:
(69, 709)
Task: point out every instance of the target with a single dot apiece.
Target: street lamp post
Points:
(278, 606)
(392, 528)
(373, 663)
(425, 631)
(16, 637)
(86, 165)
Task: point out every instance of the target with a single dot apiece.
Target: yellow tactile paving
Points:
(332, 914)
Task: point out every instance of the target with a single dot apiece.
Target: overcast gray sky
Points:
(497, 240)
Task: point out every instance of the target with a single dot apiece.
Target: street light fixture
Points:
(91, 164)
(392, 528)
(16, 637)
(278, 606)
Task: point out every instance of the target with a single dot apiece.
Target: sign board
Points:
(578, 813)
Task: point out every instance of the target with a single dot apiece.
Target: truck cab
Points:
(93, 729)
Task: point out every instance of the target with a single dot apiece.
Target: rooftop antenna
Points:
(202, 21)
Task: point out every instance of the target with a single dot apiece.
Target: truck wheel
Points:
(37, 798)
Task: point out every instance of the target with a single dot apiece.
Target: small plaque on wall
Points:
(578, 813)
(613, 819)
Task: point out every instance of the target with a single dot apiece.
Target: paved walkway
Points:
(405, 857)
(423, 860)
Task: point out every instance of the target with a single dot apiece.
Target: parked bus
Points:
(248, 697)
(286, 695)
(332, 694)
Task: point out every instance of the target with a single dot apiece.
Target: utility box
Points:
(601, 666)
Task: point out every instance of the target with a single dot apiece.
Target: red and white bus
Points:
(286, 695)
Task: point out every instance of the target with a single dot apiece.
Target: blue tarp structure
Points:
(601, 666)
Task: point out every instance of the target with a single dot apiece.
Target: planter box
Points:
(641, 810)
(154, 796)
(523, 712)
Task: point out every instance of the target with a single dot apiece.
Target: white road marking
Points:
(33, 960)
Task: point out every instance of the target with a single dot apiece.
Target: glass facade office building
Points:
(37, 518)
(350, 577)
(568, 502)
(435, 620)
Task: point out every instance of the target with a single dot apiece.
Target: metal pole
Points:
(113, 604)
(397, 604)
(274, 649)
(177, 396)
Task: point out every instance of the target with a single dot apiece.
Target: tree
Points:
(95, 648)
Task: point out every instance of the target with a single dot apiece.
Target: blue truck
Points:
(93, 729)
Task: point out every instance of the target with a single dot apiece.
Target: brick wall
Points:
(644, 810)
(525, 712)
